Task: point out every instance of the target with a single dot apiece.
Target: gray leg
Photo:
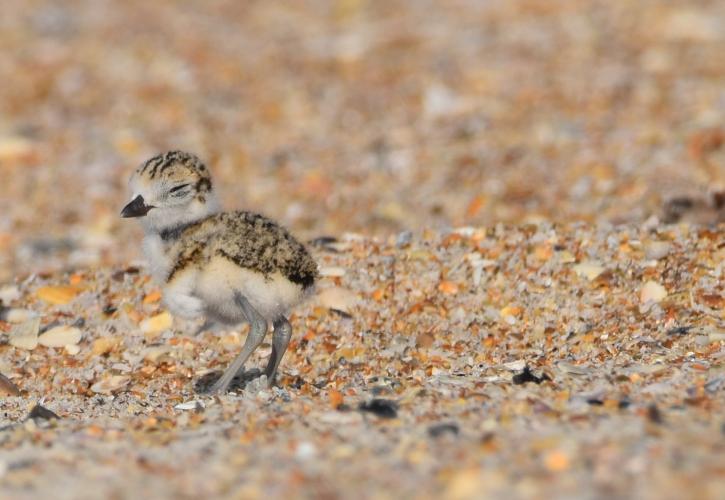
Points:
(280, 339)
(257, 331)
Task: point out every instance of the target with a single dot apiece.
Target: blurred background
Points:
(356, 116)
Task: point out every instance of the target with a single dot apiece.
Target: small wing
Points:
(256, 242)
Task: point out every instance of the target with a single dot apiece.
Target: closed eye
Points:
(176, 190)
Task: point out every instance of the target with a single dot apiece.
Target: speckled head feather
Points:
(174, 165)
(170, 190)
(177, 168)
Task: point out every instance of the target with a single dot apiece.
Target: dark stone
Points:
(654, 414)
(679, 330)
(438, 430)
(322, 241)
(41, 413)
(298, 383)
(383, 408)
(526, 376)
(343, 314)
(118, 275)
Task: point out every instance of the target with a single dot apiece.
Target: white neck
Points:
(165, 218)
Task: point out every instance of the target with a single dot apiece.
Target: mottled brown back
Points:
(249, 240)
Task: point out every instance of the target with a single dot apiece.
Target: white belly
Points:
(159, 264)
(271, 297)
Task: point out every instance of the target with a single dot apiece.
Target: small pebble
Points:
(15, 315)
(104, 345)
(25, 335)
(338, 298)
(60, 336)
(439, 430)
(652, 292)
(190, 405)
(110, 384)
(515, 366)
(332, 271)
(573, 369)
(154, 353)
(9, 293)
(589, 270)
(305, 451)
(7, 387)
(715, 334)
(403, 239)
(58, 295)
(72, 349)
(15, 148)
(158, 323)
(657, 250)
(654, 414)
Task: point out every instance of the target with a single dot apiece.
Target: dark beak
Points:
(137, 208)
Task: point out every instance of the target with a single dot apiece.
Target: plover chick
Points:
(228, 267)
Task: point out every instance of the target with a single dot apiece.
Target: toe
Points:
(217, 388)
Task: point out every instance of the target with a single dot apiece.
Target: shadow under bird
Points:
(228, 267)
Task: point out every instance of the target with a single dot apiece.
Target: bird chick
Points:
(228, 267)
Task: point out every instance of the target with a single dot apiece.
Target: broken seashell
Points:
(25, 335)
(60, 336)
(652, 292)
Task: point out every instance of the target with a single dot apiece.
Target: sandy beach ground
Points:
(517, 208)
